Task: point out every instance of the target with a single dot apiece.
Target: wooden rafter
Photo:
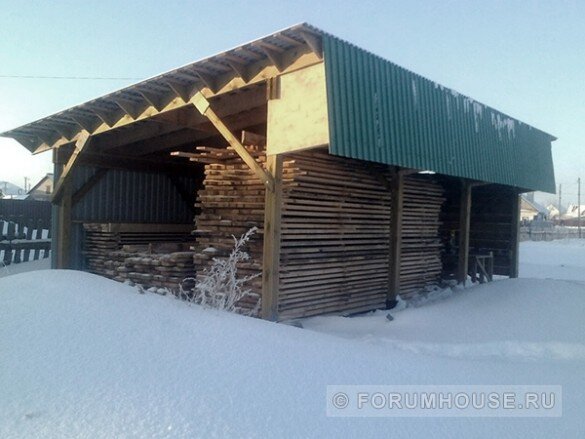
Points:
(129, 107)
(182, 91)
(273, 55)
(80, 145)
(85, 120)
(314, 42)
(202, 105)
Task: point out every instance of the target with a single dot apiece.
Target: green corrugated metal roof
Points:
(384, 113)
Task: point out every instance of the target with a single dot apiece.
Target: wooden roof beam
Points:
(274, 56)
(203, 106)
(130, 107)
(89, 124)
(80, 146)
(151, 98)
(66, 131)
(207, 79)
(109, 118)
(240, 70)
(259, 71)
(181, 90)
(46, 135)
(314, 42)
(29, 141)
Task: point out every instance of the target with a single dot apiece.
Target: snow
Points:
(85, 356)
(23, 267)
(561, 259)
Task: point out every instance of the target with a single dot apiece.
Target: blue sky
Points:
(524, 58)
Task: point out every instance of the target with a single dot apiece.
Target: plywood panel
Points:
(297, 118)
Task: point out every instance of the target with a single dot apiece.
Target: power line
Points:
(75, 78)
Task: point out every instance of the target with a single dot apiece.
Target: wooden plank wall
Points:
(335, 235)
(420, 259)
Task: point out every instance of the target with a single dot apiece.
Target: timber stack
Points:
(231, 203)
(420, 259)
(149, 255)
(335, 232)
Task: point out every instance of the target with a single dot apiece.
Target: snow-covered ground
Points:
(23, 267)
(84, 356)
(562, 259)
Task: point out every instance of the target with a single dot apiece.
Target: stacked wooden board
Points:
(420, 258)
(166, 268)
(151, 255)
(335, 235)
(335, 229)
(231, 203)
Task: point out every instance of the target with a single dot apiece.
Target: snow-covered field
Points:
(82, 356)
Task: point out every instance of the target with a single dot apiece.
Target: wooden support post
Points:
(80, 145)
(397, 201)
(271, 256)
(64, 228)
(464, 225)
(515, 236)
(202, 105)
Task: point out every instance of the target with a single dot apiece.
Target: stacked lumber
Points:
(335, 236)
(420, 258)
(231, 203)
(163, 268)
(152, 255)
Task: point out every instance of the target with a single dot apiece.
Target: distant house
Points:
(530, 210)
(43, 190)
(10, 190)
(553, 211)
(574, 211)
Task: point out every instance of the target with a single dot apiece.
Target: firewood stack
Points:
(421, 244)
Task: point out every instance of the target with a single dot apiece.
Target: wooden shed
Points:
(365, 180)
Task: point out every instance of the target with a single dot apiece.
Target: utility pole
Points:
(579, 206)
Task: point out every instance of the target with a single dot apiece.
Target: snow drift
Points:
(85, 356)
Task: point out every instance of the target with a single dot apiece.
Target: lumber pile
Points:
(150, 255)
(231, 203)
(420, 259)
(335, 235)
(163, 268)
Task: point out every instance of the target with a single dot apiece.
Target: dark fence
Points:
(23, 243)
(23, 212)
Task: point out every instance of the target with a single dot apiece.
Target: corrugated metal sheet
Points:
(134, 197)
(384, 113)
(125, 197)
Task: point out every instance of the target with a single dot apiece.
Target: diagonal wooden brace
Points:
(80, 145)
(202, 104)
